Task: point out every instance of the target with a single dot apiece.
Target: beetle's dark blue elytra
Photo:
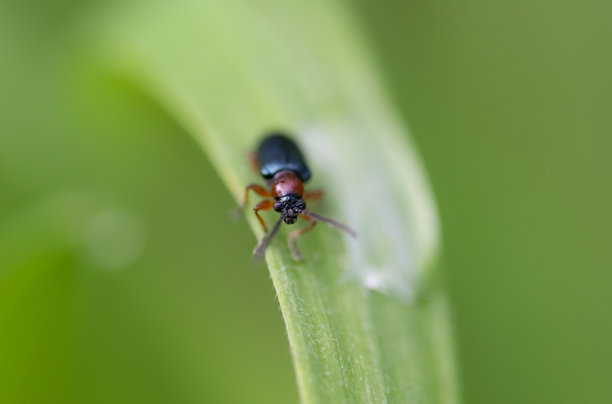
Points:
(277, 153)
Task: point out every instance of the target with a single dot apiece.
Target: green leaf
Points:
(366, 318)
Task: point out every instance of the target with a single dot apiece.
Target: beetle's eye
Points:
(278, 206)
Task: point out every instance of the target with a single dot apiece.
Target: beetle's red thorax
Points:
(287, 183)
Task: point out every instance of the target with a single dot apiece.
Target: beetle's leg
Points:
(295, 253)
(258, 189)
(263, 205)
(313, 195)
(252, 157)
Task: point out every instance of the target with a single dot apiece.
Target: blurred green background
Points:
(509, 104)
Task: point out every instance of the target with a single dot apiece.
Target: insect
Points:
(281, 163)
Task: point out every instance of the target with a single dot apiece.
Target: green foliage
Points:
(123, 281)
(366, 318)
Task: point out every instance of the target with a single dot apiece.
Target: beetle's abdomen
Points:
(279, 153)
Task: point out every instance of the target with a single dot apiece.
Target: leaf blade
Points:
(366, 319)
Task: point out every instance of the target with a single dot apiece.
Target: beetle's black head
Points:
(290, 206)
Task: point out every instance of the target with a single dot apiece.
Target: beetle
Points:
(281, 163)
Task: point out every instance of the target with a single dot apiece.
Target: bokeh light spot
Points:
(115, 240)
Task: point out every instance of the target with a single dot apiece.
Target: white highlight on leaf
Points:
(387, 203)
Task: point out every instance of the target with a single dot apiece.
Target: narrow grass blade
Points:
(366, 318)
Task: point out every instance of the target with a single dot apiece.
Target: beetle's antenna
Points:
(261, 248)
(332, 222)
